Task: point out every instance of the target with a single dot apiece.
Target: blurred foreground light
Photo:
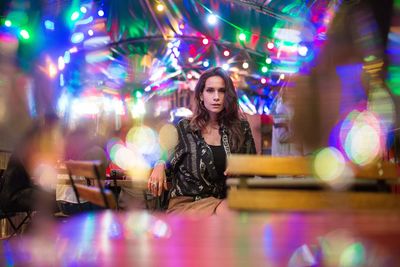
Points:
(263, 80)
(74, 15)
(302, 50)
(25, 34)
(8, 23)
(329, 164)
(77, 37)
(61, 63)
(83, 9)
(168, 136)
(212, 19)
(52, 71)
(340, 248)
(160, 7)
(364, 142)
(49, 25)
(143, 139)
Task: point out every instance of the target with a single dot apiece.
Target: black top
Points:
(219, 156)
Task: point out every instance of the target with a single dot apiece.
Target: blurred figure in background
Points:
(80, 144)
(282, 133)
(30, 176)
(344, 94)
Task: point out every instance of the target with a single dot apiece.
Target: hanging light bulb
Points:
(212, 19)
(160, 7)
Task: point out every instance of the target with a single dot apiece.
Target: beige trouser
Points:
(186, 205)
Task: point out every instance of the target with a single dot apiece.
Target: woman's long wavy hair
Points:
(230, 116)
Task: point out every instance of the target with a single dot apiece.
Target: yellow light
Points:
(52, 71)
(160, 7)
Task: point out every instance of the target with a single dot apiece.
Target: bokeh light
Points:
(168, 136)
(142, 138)
(329, 165)
(212, 19)
(364, 141)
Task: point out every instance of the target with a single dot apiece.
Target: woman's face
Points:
(213, 94)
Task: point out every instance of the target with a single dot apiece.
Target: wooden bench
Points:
(95, 192)
(305, 194)
(4, 158)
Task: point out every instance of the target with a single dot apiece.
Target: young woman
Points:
(198, 164)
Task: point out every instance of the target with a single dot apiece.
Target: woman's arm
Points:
(158, 178)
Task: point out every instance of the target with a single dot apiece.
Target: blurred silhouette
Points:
(81, 143)
(348, 77)
(27, 182)
(282, 134)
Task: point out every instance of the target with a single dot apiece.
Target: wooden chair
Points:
(306, 194)
(94, 191)
(7, 215)
(16, 227)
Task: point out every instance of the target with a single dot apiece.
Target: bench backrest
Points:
(94, 193)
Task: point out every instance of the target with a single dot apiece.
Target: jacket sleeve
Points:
(176, 156)
(249, 146)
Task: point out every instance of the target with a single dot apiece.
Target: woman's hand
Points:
(157, 180)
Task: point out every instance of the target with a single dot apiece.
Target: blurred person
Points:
(81, 143)
(198, 163)
(30, 172)
(129, 197)
(348, 70)
(282, 134)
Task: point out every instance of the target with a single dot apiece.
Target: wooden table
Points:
(242, 239)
